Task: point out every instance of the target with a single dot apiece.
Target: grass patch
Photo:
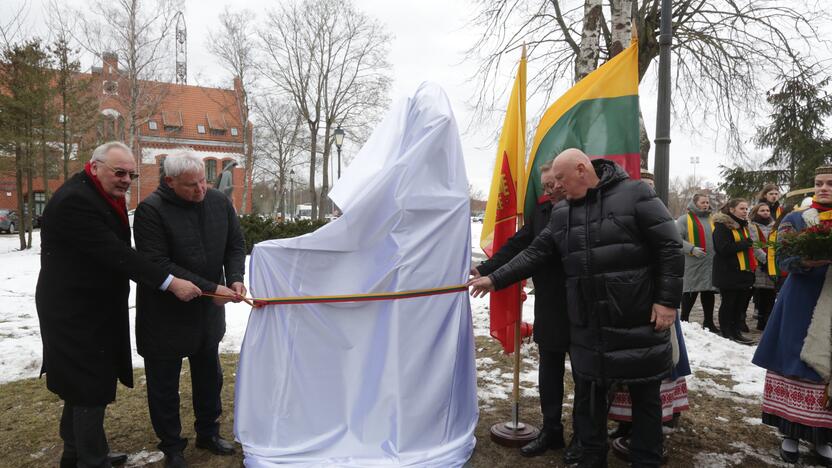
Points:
(29, 431)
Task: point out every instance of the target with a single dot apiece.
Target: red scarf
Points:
(821, 208)
(118, 204)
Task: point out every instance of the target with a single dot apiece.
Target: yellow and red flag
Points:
(504, 206)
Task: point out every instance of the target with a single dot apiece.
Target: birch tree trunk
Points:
(587, 60)
(622, 27)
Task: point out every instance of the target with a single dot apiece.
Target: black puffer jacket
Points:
(200, 242)
(726, 269)
(551, 325)
(622, 253)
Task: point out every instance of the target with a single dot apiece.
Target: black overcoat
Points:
(82, 291)
(726, 268)
(621, 253)
(200, 242)
(551, 324)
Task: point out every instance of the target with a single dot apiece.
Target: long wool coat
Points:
(81, 296)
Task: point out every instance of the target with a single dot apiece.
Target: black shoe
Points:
(621, 449)
(216, 444)
(593, 461)
(574, 452)
(739, 338)
(711, 328)
(544, 441)
(117, 459)
(789, 457)
(175, 460)
(824, 461)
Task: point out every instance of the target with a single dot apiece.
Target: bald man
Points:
(622, 256)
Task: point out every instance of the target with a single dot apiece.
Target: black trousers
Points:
(764, 299)
(591, 407)
(550, 375)
(732, 310)
(82, 430)
(707, 300)
(163, 397)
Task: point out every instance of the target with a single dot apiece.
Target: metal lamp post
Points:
(662, 163)
(292, 198)
(339, 140)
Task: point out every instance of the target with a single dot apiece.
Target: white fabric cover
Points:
(388, 383)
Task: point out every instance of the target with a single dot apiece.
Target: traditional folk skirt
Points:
(674, 395)
(794, 407)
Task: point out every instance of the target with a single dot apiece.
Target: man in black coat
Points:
(621, 253)
(86, 267)
(551, 325)
(194, 232)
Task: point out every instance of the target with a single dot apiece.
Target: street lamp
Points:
(339, 140)
(292, 198)
(694, 160)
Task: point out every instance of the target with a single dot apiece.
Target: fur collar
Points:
(728, 221)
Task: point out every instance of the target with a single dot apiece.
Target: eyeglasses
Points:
(121, 172)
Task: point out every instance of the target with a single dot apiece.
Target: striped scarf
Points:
(745, 258)
(696, 233)
(771, 255)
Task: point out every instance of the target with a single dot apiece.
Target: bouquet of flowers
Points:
(814, 243)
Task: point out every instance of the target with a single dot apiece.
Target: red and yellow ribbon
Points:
(367, 297)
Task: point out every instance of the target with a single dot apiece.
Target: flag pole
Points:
(515, 433)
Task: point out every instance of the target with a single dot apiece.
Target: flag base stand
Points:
(507, 435)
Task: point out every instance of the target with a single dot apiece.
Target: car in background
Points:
(9, 221)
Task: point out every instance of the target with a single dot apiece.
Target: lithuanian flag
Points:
(503, 207)
(599, 115)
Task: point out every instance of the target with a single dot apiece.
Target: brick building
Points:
(206, 120)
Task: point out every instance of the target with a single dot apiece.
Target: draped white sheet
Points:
(389, 383)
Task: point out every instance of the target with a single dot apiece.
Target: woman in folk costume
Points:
(696, 229)
(761, 227)
(734, 265)
(674, 390)
(796, 347)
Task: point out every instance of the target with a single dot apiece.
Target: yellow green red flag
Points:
(599, 115)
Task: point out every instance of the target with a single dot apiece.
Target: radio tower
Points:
(181, 49)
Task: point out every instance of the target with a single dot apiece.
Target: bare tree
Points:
(234, 44)
(278, 143)
(138, 32)
(724, 50)
(331, 59)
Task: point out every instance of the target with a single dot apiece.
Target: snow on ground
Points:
(20, 344)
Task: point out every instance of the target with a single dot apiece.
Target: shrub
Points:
(257, 228)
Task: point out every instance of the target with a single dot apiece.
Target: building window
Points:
(152, 125)
(233, 131)
(40, 202)
(200, 129)
(217, 132)
(211, 171)
(162, 165)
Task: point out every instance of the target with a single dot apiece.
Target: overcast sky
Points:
(429, 41)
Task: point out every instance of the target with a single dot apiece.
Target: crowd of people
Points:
(624, 267)
(614, 275)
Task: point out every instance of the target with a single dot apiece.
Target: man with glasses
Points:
(194, 231)
(81, 297)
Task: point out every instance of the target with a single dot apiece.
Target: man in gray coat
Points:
(193, 232)
(696, 230)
